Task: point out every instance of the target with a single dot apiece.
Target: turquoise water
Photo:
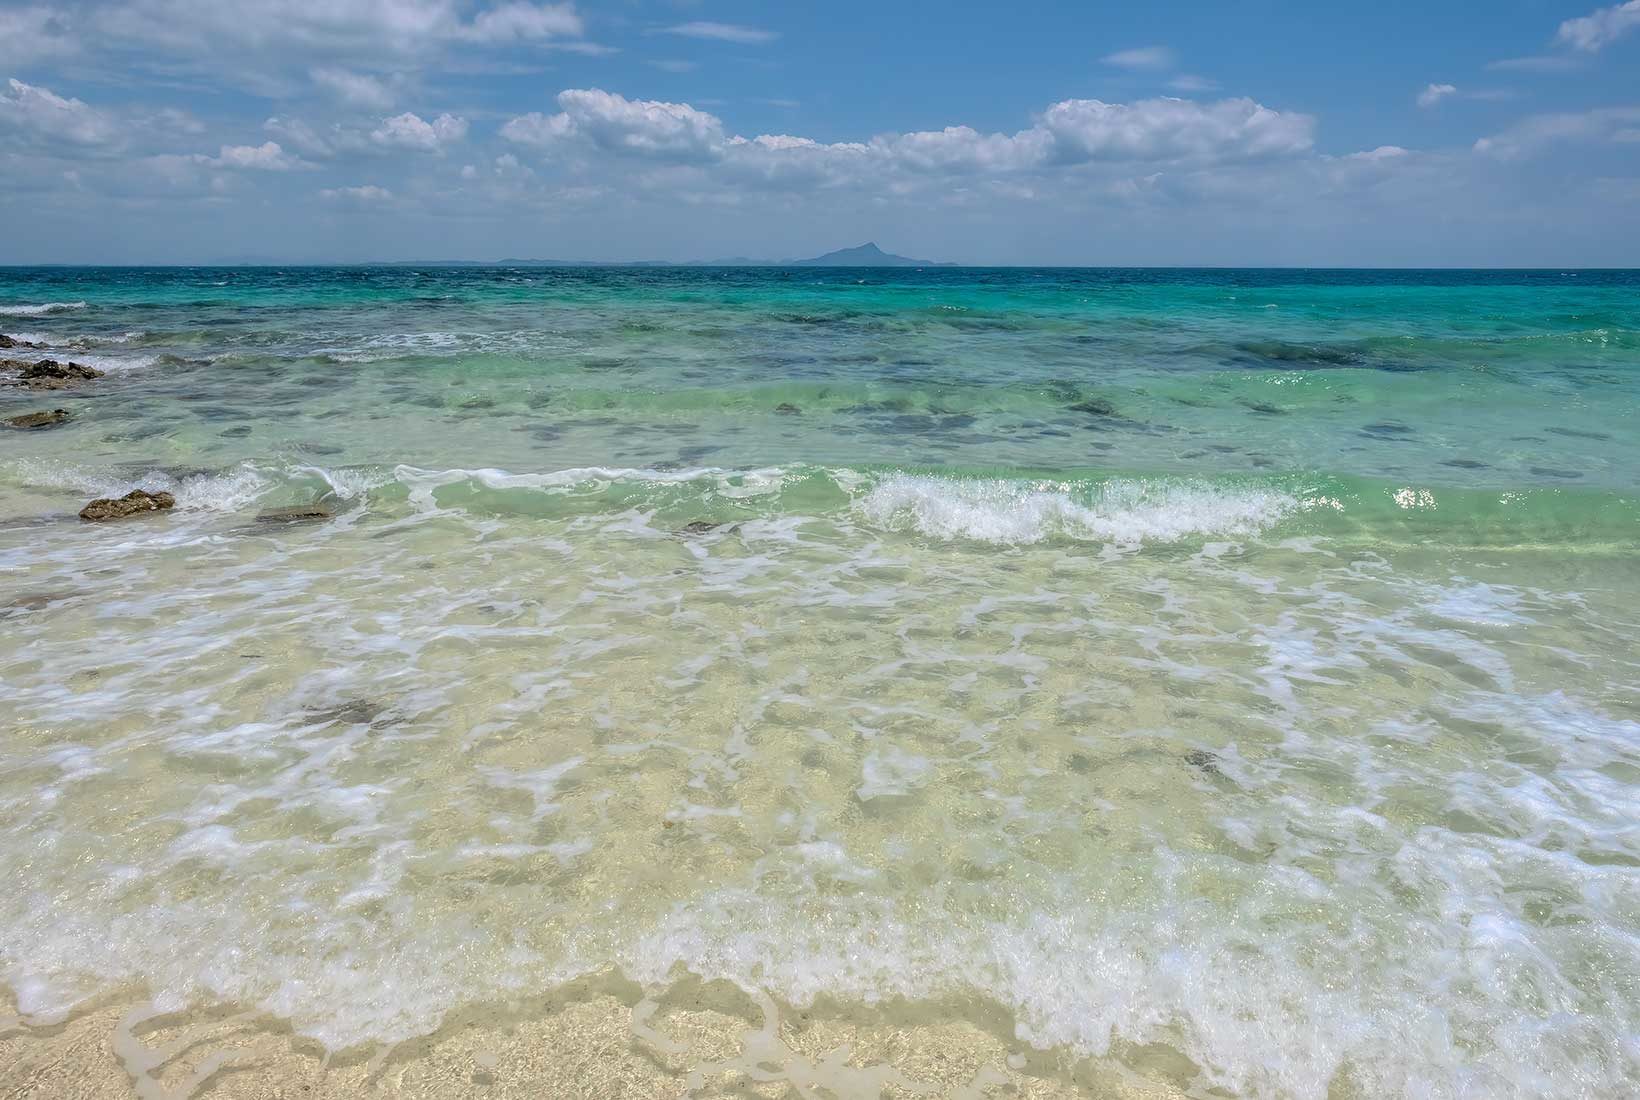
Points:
(1241, 664)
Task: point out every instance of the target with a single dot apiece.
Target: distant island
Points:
(865, 255)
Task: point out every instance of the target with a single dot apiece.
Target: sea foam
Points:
(1120, 511)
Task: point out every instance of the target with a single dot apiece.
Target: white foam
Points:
(225, 492)
(114, 364)
(1018, 512)
(24, 309)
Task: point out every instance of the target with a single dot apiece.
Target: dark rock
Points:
(1204, 761)
(36, 601)
(1094, 406)
(706, 527)
(49, 374)
(787, 407)
(35, 420)
(134, 503)
(353, 712)
(7, 342)
(299, 513)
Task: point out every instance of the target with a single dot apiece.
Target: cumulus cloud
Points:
(1435, 93)
(1143, 58)
(724, 32)
(615, 124)
(1067, 135)
(1599, 29)
(51, 119)
(355, 89)
(1173, 129)
(267, 157)
(411, 131)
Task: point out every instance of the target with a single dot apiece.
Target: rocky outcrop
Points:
(8, 342)
(134, 503)
(35, 420)
(49, 374)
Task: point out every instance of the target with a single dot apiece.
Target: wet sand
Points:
(594, 1038)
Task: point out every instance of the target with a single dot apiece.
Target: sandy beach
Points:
(593, 1039)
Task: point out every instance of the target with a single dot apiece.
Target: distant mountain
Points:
(865, 255)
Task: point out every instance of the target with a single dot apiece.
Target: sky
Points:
(1262, 133)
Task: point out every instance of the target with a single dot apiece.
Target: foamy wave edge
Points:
(26, 309)
(1121, 510)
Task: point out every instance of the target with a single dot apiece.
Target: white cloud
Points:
(615, 124)
(1144, 58)
(34, 32)
(1435, 93)
(1187, 82)
(1550, 63)
(1173, 129)
(260, 37)
(368, 192)
(724, 32)
(524, 22)
(267, 157)
(1382, 153)
(411, 131)
(1600, 28)
(1068, 134)
(1603, 125)
(356, 89)
(53, 119)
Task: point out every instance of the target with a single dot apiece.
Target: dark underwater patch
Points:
(1282, 355)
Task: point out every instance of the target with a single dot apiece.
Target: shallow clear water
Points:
(1240, 662)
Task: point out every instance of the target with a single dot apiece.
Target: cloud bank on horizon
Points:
(192, 131)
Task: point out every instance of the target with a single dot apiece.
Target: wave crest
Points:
(1120, 511)
(26, 309)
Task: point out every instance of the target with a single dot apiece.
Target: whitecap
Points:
(24, 309)
(1123, 512)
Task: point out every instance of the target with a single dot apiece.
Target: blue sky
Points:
(1063, 133)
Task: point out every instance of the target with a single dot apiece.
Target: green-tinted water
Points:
(1238, 664)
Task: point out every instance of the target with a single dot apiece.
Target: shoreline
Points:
(598, 1036)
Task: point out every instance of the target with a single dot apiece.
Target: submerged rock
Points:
(296, 513)
(1095, 406)
(134, 503)
(35, 601)
(1203, 760)
(351, 712)
(787, 408)
(35, 420)
(706, 526)
(1264, 408)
